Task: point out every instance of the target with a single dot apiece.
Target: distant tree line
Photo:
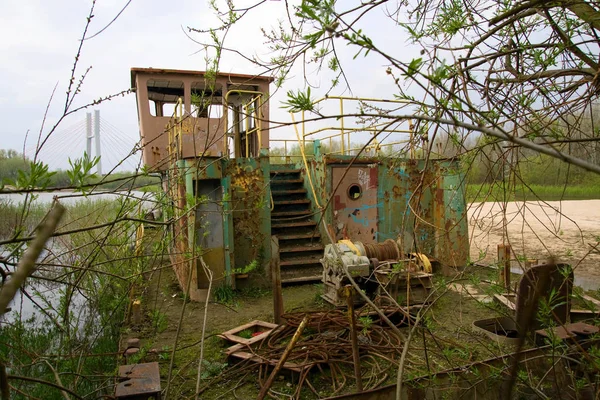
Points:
(12, 161)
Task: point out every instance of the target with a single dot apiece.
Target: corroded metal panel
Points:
(250, 204)
(209, 229)
(202, 137)
(395, 192)
(355, 202)
(423, 205)
(419, 203)
(452, 244)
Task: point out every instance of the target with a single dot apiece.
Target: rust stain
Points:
(338, 205)
(439, 196)
(373, 179)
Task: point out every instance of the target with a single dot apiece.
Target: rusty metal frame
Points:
(255, 108)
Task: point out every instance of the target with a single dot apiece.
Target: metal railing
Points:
(340, 141)
(290, 148)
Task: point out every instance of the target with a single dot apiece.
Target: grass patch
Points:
(496, 192)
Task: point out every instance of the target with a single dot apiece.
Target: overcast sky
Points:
(40, 40)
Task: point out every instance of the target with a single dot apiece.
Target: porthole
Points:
(354, 191)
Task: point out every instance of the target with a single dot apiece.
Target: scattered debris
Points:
(326, 344)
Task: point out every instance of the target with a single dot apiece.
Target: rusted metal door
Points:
(355, 202)
(209, 229)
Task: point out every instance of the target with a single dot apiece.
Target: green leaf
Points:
(413, 67)
(299, 101)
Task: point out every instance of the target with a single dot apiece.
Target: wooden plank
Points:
(232, 336)
(591, 300)
(505, 301)
(504, 252)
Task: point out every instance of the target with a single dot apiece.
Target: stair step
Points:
(284, 192)
(300, 261)
(297, 213)
(293, 224)
(303, 279)
(285, 171)
(298, 249)
(286, 181)
(300, 201)
(309, 235)
(311, 273)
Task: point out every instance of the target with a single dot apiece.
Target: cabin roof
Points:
(162, 71)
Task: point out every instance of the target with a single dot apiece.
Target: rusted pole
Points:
(276, 278)
(286, 354)
(504, 262)
(348, 290)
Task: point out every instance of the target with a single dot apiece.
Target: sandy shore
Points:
(566, 230)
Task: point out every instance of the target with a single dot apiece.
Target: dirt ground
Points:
(450, 318)
(566, 230)
(163, 309)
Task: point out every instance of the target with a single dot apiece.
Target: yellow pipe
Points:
(373, 129)
(258, 119)
(179, 125)
(308, 174)
(245, 108)
(342, 123)
(303, 128)
(399, 101)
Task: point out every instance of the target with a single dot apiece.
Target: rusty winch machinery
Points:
(384, 272)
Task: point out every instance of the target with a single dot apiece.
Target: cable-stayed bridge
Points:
(94, 135)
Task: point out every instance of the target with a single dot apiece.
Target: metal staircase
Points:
(300, 246)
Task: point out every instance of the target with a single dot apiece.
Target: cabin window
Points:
(207, 101)
(163, 96)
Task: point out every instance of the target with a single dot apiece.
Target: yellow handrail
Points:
(344, 132)
(308, 174)
(285, 154)
(174, 129)
(257, 109)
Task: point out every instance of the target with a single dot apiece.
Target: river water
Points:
(47, 294)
